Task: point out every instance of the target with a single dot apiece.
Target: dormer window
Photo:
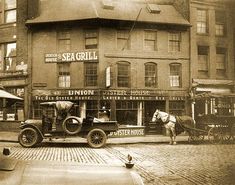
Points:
(108, 4)
(153, 8)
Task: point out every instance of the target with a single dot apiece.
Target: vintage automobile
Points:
(57, 121)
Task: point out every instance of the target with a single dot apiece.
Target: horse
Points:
(174, 124)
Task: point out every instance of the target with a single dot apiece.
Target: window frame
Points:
(4, 10)
(202, 21)
(91, 34)
(147, 39)
(220, 20)
(90, 79)
(64, 74)
(126, 78)
(151, 85)
(221, 72)
(64, 40)
(123, 39)
(174, 45)
(172, 77)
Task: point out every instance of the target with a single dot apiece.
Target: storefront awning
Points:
(214, 90)
(7, 95)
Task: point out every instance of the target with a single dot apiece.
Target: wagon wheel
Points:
(215, 135)
(226, 134)
(72, 125)
(96, 138)
(28, 137)
(196, 136)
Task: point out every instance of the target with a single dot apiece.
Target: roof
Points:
(64, 10)
(5, 94)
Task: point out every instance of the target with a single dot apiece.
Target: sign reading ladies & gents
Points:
(80, 56)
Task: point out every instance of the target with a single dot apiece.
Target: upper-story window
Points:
(7, 11)
(91, 73)
(202, 21)
(221, 62)
(175, 75)
(174, 40)
(64, 40)
(150, 40)
(203, 58)
(91, 39)
(123, 74)
(150, 75)
(123, 40)
(220, 23)
(64, 75)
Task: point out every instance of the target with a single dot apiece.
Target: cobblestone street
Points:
(156, 163)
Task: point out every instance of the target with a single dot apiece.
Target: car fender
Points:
(32, 126)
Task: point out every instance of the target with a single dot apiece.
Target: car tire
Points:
(96, 138)
(72, 127)
(28, 137)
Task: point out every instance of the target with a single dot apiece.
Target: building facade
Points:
(212, 57)
(127, 65)
(13, 61)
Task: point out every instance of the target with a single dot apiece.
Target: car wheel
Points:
(96, 138)
(72, 125)
(28, 137)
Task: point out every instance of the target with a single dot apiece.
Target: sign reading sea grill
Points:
(71, 56)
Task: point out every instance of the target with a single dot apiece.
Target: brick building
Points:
(212, 57)
(125, 58)
(128, 58)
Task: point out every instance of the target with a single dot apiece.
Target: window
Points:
(221, 62)
(220, 23)
(91, 39)
(123, 42)
(150, 75)
(64, 41)
(9, 57)
(123, 74)
(201, 21)
(174, 42)
(175, 75)
(203, 58)
(150, 40)
(92, 108)
(7, 11)
(91, 71)
(126, 112)
(177, 107)
(64, 75)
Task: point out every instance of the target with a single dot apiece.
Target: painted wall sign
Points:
(96, 94)
(126, 132)
(80, 56)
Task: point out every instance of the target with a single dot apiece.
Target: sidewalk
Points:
(13, 137)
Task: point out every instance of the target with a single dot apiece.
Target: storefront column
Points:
(206, 107)
(167, 105)
(4, 108)
(193, 109)
(83, 109)
(140, 114)
(113, 110)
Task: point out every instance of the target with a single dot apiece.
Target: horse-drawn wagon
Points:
(217, 128)
(58, 122)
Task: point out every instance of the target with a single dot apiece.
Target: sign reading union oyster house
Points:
(71, 56)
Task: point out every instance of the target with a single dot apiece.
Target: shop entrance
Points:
(149, 108)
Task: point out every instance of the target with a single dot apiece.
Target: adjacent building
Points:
(212, 57)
